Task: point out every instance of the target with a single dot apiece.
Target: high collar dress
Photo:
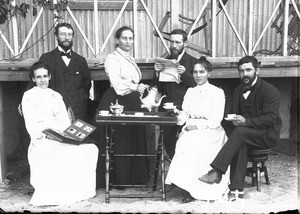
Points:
(59, 173)
(203, 106)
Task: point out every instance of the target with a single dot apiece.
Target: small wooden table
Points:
(129, 118)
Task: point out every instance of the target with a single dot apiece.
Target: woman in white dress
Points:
(59, 173)
(201, 138)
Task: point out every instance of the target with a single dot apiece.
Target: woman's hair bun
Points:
(202, 58)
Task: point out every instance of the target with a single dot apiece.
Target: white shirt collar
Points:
(180, 55)
(253, 83)
(60, 49)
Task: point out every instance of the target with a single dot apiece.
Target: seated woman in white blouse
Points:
(59, 173)
(201, 138)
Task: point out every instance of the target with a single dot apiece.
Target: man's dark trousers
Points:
(234, 153)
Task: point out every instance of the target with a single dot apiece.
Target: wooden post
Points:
(250, 26)
(2, 143)
(136, 34)
(15, 32)
(213, 28)
(96, 22)
(285, 27)
(175, 6)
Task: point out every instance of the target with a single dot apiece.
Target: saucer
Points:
(104, 115)
(230, 119)
(169, 108)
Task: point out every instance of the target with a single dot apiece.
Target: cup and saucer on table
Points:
(104, 112)
(169, 106)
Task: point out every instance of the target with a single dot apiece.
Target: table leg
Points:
(157, 159)
(107, 160)
(162, 165)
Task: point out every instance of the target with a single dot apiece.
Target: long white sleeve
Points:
(43, 108)
(123, 74)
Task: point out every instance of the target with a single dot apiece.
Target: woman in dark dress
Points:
(125, 76)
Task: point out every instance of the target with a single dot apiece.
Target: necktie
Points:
(65, 54)
(246, 89)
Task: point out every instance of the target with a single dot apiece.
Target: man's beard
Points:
(175, 53)
(247, 81)
(65, 47)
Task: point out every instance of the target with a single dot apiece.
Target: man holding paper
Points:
(173, 76)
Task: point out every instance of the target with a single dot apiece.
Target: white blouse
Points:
(122, 71)
(203, 106)
(43, 108)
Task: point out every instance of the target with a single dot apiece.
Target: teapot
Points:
(116, 109)
(149, 101)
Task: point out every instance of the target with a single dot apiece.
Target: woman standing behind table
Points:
(59, 173)
(201, 138)
(125, 76)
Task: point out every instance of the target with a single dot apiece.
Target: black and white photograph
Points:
(80, 135)
(88, 129)
(216, 83)
(72, 130)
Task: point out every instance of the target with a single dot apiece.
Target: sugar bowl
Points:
(116, 108)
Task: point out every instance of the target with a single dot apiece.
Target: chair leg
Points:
(266, 173)
(257, 177)
(253, 173)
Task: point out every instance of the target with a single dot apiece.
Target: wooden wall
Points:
(42, 39)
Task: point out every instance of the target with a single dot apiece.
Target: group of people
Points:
(199, 149)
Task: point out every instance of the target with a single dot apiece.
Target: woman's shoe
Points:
(188, 199)
(168, 188)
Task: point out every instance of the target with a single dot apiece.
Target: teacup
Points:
(231, 116)
(169, 105)
(103, 112)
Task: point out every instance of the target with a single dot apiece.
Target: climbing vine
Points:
(7, 9)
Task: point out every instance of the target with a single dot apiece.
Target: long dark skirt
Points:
(128, 139)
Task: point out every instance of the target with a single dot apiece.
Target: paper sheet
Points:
(169, 73)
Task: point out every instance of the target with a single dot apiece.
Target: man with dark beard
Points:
(257, 124)
(70, 72)
(175, 91)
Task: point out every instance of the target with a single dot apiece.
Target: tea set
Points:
(148, 102)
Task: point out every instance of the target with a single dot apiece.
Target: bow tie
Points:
(65, 54)
(246, 89)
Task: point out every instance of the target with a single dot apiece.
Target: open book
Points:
(74, 134)
(169, 73)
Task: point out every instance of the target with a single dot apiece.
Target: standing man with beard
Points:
(70, 72)
(175, 91)
(257, 124)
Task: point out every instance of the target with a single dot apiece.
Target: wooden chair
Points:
(189, 22)
(258, 157)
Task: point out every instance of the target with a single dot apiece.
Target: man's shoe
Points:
(211, 177)
(234, 195)
(188, 199)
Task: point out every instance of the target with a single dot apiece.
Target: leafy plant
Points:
(6, 9)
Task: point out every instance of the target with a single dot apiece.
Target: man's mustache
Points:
(246, 78)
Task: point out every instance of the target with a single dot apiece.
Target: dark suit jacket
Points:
(265, 103)
(73, 82)
(175, 92)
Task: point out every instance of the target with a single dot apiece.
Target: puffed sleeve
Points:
(216, 113)
(62, 120)
(34, 128)
(121, 82)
